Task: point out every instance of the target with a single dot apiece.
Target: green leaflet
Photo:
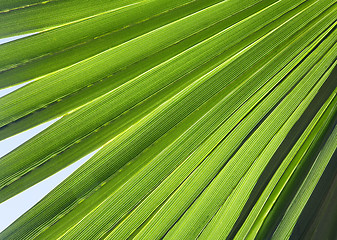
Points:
(113, 28)
(94, 141)
(324, 222)
(219, 227)
(101, 65)
(292, 178)
(44, 15)
(209, 201)
(87, 94)
(11, 4)
(83, 114)
(287, 223)
(254, 220)
(166, 188)
(188, 141)
(214, 118)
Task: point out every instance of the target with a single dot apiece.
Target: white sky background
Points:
(11, 209)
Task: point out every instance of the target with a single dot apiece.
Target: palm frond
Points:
(213, 119)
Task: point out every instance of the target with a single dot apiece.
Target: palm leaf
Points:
(213, 119)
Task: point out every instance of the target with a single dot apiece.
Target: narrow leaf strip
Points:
(98, 110)
(286, 225)
(223, 221)
(117, 25)
(253, 221)
(219, 189)
(93, 69)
